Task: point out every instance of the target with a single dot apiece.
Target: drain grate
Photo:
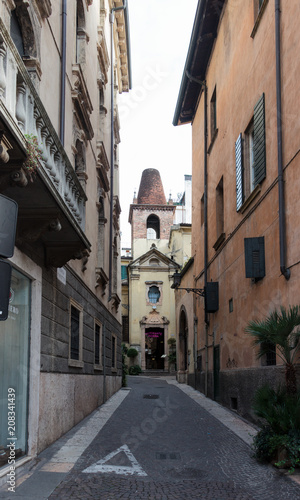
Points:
(168, 456)
(151, 396)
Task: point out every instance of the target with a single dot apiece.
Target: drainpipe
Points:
(204, 86)
(282, 225)
(63, 72)
(112, 141)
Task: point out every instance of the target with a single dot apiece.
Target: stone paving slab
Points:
(236, 424)
(188, 446)
(210, 461)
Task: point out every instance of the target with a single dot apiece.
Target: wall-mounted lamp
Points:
(210, 292)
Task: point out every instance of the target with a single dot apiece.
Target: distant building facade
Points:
(159, 247)
(241, 104)
(60, 347)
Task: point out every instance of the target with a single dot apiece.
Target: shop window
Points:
(14, 375)
(75, 336)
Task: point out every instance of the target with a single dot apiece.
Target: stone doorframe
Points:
(154, 320)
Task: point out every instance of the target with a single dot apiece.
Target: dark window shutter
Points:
(212, 297)
(259, 146)
(255, 257)
(239, 172)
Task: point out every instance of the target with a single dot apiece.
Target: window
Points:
(250, 155)
(153, 228)
(80, 33)
(269, 359)
(98, 345)
(124, 272)
(202, 211)
(153, 294)
(248, 173)
(125, 329)
(259, 8)
(220, 208)
(255, 257)
(271, 354)
(113, 352)
(75, 336)
(213, 114)
(16, 33)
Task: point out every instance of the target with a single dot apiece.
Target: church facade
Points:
(156, 255)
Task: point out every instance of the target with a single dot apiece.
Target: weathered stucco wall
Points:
(241, 69)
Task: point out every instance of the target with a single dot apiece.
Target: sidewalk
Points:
(183, 469)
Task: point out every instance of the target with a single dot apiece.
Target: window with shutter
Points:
(239, 172)
(255, 257)
(259, 143)
(250, 155)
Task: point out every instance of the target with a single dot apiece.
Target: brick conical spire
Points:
(151, 191)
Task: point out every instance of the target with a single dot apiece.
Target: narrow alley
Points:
(158, 440)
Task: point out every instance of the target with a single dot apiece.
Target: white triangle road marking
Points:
(100, 466)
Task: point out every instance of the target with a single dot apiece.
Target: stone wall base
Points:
(65, 399)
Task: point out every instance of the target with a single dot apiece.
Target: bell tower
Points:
(150, 216)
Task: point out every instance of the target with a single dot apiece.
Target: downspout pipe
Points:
(63, 72)
(204, 86)
(112, 142)
(282, 224)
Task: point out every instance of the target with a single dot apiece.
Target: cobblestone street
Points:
(160, 443)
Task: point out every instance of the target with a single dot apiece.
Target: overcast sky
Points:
(160, 34)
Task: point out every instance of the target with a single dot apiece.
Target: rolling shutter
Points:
(239, 172)
(259, 146)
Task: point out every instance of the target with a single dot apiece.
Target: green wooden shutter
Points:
(259, 146)
(255, 257)
(211, 297)
(239, 172)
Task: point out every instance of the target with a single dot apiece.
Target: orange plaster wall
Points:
(242, 69)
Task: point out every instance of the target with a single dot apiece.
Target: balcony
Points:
(51, 218)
